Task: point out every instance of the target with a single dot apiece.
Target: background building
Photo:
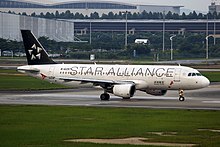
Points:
(10, 25)
(64, 30)
(215, 6)
(84, 7)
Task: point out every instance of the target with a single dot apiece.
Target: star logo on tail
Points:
(35, 52)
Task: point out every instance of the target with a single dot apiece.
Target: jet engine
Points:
(124, 90)
(156, 92)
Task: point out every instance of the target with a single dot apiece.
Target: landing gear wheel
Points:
(181, 98)
(181, 95)
(105, 97)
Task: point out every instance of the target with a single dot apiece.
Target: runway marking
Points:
(212, 102)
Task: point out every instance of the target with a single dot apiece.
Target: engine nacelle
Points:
(124, 90)
(156, 92)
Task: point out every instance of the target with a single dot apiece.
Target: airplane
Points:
(120, 80)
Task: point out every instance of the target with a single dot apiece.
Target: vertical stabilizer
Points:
(35, 52)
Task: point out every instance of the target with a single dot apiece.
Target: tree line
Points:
(111, 46)
(120, 15)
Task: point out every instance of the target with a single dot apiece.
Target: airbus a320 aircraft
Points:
(120, 80)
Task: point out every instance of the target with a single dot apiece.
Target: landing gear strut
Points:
(105, 97)
(181, 95)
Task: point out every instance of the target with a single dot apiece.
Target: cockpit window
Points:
(198, 74)
(194, 74)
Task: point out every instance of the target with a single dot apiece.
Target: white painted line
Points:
(212, 102)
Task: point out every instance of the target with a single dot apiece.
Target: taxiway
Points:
(205, 99)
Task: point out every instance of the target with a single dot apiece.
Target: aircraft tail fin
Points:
(35, 53)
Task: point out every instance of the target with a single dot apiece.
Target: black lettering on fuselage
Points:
(139, 72)
(89, 71)
(132, 73)
(170, 72)
(98, 70)
(82, 70)
(160, 72)
(149, 73)
(111, 71)
(74, 70)
(126, 72)
(119, 73)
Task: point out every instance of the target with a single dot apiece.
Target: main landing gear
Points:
(181, 95)
(105, 97)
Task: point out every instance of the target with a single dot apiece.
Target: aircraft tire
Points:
(181, 98)
(105, 97)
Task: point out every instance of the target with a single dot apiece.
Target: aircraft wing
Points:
(95, 81)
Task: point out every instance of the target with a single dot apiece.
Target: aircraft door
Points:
(51, 72)
(177, 75)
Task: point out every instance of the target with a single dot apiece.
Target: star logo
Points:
(35, 52)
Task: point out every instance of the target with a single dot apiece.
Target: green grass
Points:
(12, 80)
(212, 76)
(49, 126)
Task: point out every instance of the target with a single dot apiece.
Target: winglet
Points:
(35, 52)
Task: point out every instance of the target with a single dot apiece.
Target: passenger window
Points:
(190, 74)
(193, 74)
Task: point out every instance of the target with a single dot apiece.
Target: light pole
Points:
(163, 31)
(214, 31)
(126, 29)
(90, 32)
(207, 47)
(171, 47)
(207, 25)
(207, 44)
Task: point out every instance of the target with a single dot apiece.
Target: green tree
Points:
(57, 14)
(24, 13)
(110, 15)
(94, 15)
(67, 15)
(141, 49)
(33, 14)
(144, 15)
(183, 15)
(169, 15)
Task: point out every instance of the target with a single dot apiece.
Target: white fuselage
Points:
(143, 76)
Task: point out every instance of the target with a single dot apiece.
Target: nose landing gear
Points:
(181, 95)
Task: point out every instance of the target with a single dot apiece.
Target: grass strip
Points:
(50, 125)
(213, 76)
(17, 82)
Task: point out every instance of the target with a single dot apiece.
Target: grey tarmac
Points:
(204, 99)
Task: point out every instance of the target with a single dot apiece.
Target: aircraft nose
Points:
(205, 82)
